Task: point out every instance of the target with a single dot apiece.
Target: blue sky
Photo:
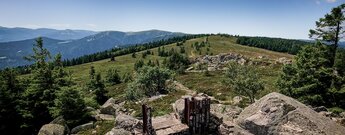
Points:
(273, 18)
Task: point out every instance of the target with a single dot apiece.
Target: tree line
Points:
(274, 44)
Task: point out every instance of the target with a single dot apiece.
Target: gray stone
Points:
(61, 121)
(52, 129)
(83, 127)
(118, 131)
(230, 128)
(279, 114)
(110, 107)
(106, 117)
(127, 122)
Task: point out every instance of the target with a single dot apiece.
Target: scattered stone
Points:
(83, 127)
(279, 114)
(283, 60)
(52, 129)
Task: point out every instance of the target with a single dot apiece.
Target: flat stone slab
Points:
(168, 124)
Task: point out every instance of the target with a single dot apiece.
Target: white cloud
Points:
(331, 1)
(60, 25)
(91, 25)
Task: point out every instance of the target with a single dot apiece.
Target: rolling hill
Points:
(16, 34)
(12, 53)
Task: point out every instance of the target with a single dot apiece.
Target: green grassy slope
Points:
(196, 81)
(210, 85)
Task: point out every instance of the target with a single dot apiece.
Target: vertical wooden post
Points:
(145, 127)
(186, 111)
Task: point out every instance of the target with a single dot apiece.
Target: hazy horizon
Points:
(270, 18)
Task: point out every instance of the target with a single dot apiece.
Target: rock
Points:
(52, 129)
(326, 114)
(110, 107)
(283, 60)
(320, 108)
(83, 127)
(279, 114)
(225, 112)
(230, 128)
(101, 117)
(127, 122)
(116, 131)
(178, 108)
(237, 100)
(61, 121)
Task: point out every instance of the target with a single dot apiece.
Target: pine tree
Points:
(70, 104)
(10, 95)
(310, 78)
(97, 86)
(113, 76)
(40, 94)
(331, 30)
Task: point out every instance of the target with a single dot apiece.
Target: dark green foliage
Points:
(40, 94)
(149, 81)
(113, 76)
(340, 61)
(127, 77)
(10, 94)
(70, 104)
(138, 64)
(182, 50)
(274, 44)
(177, 62)
(310, 78)
(134, 55)
(243, 80)
(96, 85)
(112, 58)
(330, 29)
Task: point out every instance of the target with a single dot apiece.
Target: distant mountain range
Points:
(16, 34)
(12, 53)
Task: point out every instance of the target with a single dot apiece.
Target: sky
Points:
(272, 18)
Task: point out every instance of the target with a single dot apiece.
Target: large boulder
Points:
(110, 107)
(61, 121)
(127, 123)
(52, 129)
(83, 127)
(278, 114)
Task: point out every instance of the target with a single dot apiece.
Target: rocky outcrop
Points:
(52, 129)
(278, 114)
